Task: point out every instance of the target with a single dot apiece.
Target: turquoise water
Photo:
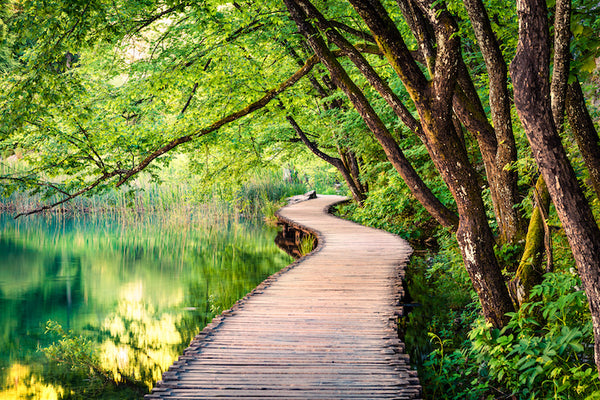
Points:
(139, 287)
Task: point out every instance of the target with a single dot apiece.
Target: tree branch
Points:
(189, 100)
(311, 146)
(358, 33)
(50, 185)
(149, 21)
(98, 181)
(98, 160)
(125, 174)
(260, 103)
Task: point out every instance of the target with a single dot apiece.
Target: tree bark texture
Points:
(433, 101)
(585, 133)
(530, 74)
(357, 194)
(393, 152)
(422, 31)
(561, 61)
(530, 271)
(503, 181)
(497, 153)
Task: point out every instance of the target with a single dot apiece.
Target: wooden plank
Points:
(322, 328)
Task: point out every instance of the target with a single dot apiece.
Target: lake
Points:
(137, 287)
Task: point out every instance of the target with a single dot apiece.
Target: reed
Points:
(178, 194)
(307, 244)
(265, 193)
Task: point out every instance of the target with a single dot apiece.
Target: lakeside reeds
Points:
(258, 197)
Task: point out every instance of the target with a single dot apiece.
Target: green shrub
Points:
(307, 244)
(449, 373)
(545, 351)
(391, 207)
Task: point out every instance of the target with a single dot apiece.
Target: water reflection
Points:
(139, 287)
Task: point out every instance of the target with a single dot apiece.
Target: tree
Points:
(432, 100)
(433, 103)
(530, 73)
(82, 109)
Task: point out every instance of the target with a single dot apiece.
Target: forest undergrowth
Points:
(545, 351)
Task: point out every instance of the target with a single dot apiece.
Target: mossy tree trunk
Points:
(530, 271)
(433, 101)
(393, 152)
(530, 74)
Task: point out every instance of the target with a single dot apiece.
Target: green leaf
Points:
(589, 65)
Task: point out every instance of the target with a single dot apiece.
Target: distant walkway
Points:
(323, 328)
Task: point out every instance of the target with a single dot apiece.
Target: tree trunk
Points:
(423, 194)
(585, 133)
(496, 143)
(530, 75)
(561, 61)
(503, 181)
(364, 67)
(497, 154)
(433, 102)
(530, 271)
(354, 169)
(422, 31)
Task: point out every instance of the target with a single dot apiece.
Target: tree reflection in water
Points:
(140, 288)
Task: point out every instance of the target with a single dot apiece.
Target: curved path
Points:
(323, 328)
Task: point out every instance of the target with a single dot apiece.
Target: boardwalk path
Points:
(324, 328)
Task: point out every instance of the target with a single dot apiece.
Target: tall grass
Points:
(143, 195)
(258, 197)
(264, 194)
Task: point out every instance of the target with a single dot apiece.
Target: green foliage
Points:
(91, 88)
(307, 244)
(545, 351)
(391, 207)
(449, 373)
(98, 86)
(585, 44)
(79, 368)
(509, 255)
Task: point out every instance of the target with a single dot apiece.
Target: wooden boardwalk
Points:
(322, 328)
